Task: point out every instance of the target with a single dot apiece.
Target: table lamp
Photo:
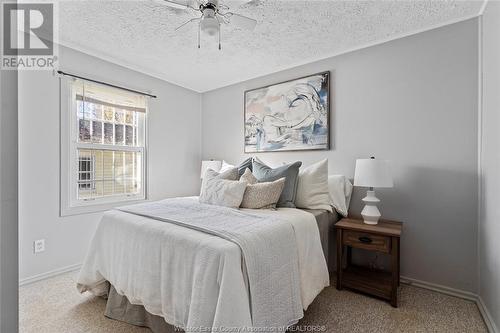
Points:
(211, 164)
(372, 173)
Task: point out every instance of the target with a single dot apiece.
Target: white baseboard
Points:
(50, 274)
(440, 288)
(488, 319)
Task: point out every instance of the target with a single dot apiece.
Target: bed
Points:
(178, 264)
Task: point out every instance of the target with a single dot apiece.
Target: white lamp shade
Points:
(205, 165)
(373, 173)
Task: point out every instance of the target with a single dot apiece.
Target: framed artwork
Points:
(289, 116)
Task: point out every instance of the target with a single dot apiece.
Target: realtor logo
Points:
(28, 36)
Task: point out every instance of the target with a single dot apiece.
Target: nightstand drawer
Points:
(367, 241)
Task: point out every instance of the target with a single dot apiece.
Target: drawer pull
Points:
(366, 240)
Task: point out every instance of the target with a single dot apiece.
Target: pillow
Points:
(340, 189)
(241, 168)
(312, 187)
(249, 177)
(263, 195)
(246, 164)
(226, 166)
(221, 192)
(229, 174)
(290, 172)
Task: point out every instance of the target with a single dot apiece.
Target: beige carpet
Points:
(54, 306)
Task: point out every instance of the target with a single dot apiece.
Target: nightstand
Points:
(383, 237)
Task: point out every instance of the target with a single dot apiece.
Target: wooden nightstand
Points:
(384, 238)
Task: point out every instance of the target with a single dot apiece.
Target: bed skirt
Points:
(119, 308)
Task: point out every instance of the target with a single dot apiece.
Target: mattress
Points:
(119, 308)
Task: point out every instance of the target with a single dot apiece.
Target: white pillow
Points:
(312, 187)
(221, 192)
(340, 193)
(226, 166)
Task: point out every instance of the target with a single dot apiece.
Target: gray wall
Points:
(8, 202)
(174, 157)
(489, 232)
(413, 101)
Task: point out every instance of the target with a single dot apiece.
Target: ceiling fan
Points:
(213, 14)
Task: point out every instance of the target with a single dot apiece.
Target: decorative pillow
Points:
(290, 172)
(312, 187)
(246, 164)
(221, 192)
(260, 195)
(229, 174)
(249, 177)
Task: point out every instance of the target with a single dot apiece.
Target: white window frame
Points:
(69, 145)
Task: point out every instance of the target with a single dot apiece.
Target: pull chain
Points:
(219, 38)
(199, 31)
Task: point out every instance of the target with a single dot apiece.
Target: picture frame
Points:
(292, 115)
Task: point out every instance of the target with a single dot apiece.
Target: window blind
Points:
(108, 96)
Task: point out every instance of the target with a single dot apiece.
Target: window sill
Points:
(97, 207)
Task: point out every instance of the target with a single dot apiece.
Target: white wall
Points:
(174, 156)
(413, 101)
(489, 236)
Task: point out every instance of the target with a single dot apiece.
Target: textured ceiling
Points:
(140, 34)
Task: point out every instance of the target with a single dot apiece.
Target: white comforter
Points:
(192, 279)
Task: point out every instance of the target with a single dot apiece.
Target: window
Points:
(85, 172)
(103, 141)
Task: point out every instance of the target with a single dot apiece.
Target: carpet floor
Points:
(54, 306)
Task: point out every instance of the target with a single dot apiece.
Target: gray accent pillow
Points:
(244, 165)
(221, 192)
(290, 172)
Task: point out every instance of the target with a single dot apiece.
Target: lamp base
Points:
(370, 212)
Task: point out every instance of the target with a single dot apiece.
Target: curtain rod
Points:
(106, 84)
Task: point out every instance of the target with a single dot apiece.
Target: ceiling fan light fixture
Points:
(209, 24)
(213, 14)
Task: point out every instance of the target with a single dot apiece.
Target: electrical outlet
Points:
(39, 245)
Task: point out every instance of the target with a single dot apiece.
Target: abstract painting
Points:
(292, 115)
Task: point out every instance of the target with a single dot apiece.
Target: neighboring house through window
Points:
(85, 172)
(103, 136)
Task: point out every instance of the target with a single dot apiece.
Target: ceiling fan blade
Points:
(222, 19)
(252, 2)
(242, 21)
(182, 4)
(185, 24)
